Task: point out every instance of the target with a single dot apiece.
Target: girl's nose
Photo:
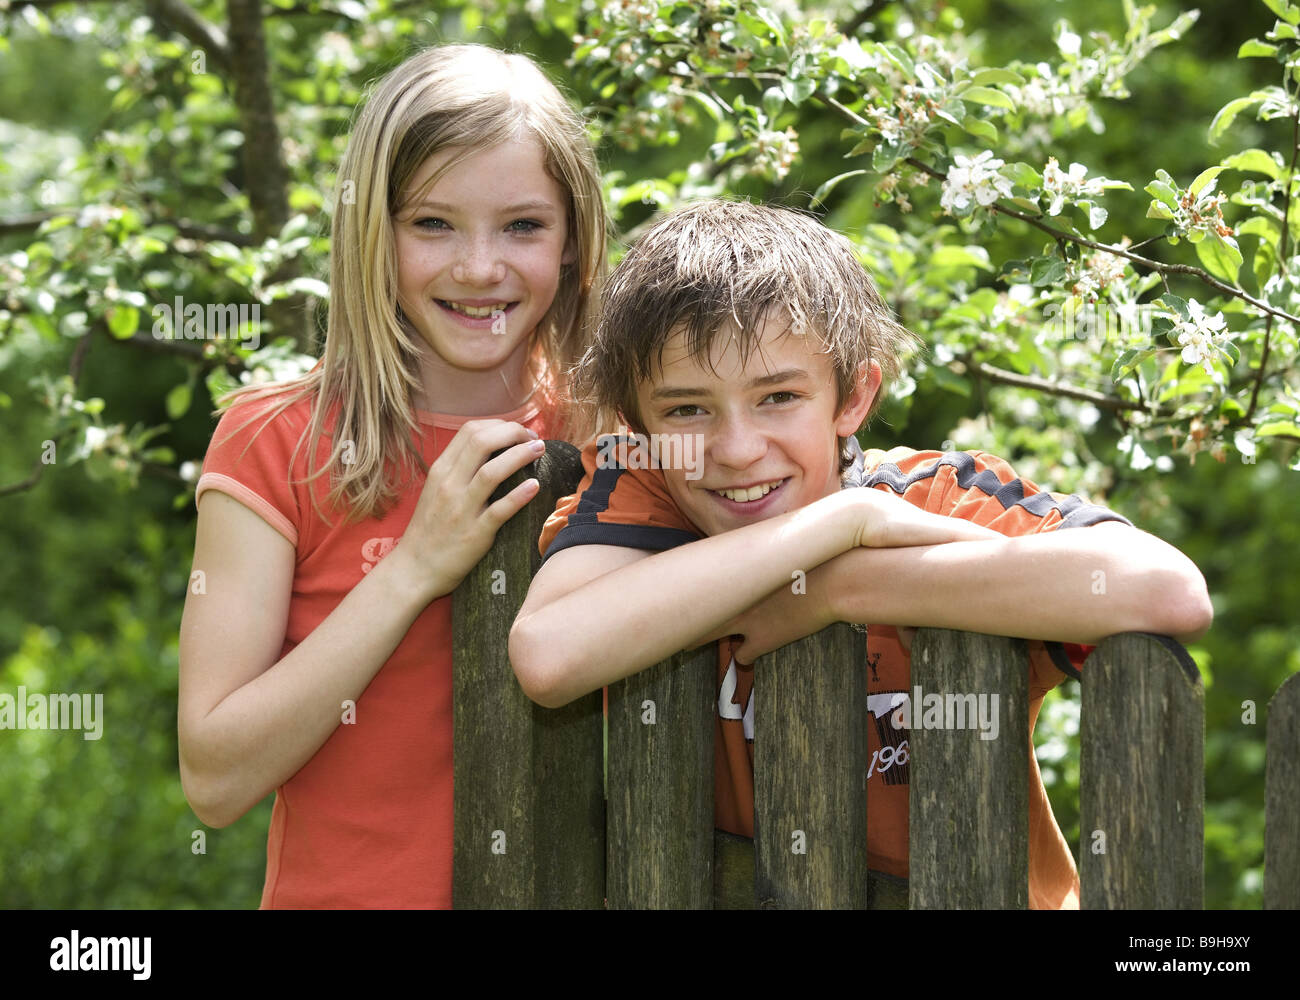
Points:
(478, 264)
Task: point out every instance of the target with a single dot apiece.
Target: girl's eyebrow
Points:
(521, 207)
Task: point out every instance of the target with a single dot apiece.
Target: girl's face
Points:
(478, 264)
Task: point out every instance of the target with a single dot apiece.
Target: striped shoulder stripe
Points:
(1074, 510)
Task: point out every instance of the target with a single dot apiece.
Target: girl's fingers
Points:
(500, 468)
(475, 441)
(512, 503)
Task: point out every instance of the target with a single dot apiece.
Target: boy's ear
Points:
(858, 405)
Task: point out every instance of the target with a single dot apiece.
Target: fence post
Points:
(1141, 776)
(1282, 800)
(810, 773)
(661, 784)
(968, 805)
(529, 808)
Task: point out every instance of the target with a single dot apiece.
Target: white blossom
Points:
(1200, 337)
(1067, 184)
(973, 179)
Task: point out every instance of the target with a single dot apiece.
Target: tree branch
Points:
(1052, 388)
(1060, 234)
(185, 20)
(201, 231)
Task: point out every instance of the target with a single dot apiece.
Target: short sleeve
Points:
(617, 503)
(249, 460)
(980, 488)
(985, 490)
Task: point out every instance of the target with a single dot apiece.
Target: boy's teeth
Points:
(476, 312)
(753, 493)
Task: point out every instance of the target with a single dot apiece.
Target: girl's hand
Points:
(454, 525)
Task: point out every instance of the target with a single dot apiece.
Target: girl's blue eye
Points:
(430, 223)
(525, 225)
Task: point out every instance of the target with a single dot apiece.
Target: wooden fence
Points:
(537, 824)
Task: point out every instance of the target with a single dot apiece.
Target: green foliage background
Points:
(100, 106)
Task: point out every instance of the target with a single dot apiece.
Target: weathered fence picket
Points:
(1142, 777)
(528, 798)
(1282, 800)
(536, 826)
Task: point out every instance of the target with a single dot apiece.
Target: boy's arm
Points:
(1074, 585)
(596, 613)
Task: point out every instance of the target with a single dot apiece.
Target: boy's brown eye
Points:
(680, 411)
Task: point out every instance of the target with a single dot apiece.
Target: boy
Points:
(750, 339)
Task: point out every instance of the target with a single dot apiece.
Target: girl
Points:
(468, 244)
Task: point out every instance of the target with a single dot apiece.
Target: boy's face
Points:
(767, 429)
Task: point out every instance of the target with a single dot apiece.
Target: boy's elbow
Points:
(1183, 603)
(529, 659)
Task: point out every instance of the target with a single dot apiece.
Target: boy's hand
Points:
(886, 521)
(791, 612)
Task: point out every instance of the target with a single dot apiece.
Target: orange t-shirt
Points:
(632, 507)
(367, 822)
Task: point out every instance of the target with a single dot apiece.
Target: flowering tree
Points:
(1183, 349)
(1134, 338)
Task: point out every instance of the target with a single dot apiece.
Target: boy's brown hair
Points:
(725, 264)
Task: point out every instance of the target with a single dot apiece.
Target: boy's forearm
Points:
(1077, 585)
(645, 612)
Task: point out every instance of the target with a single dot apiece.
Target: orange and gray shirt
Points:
(632, 507)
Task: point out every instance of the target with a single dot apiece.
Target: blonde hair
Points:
(468, 98)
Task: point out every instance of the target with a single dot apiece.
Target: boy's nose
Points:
(737, 444)
(478, 264)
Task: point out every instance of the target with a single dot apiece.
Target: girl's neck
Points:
(457, 392)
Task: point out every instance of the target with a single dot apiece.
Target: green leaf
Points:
(1278, 428)
(1228, 112)
(995, 74)
(951, 381)
(1023, 174)
(1045, 271)
(980, 128)
(1255, 160)
(1128, 361)
(798, 91)
(1162, 192)
(1204, 178)
(773, 101)
(1254, 47)
(1231, 350)
(1284, 10)
(953, 256)
(1175, 304)
(1220, 256)
(123, 321)
(819, 196)
(1258, 225)
(989, 96)
(178, 400)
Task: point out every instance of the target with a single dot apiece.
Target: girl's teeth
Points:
(477, 312)
(753, 493)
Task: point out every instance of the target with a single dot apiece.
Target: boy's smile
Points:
(768, 427)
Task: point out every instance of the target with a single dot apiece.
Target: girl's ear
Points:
(858, 405)
(570, 251)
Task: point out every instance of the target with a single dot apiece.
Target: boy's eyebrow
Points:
(762, 381)
(523, 206)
